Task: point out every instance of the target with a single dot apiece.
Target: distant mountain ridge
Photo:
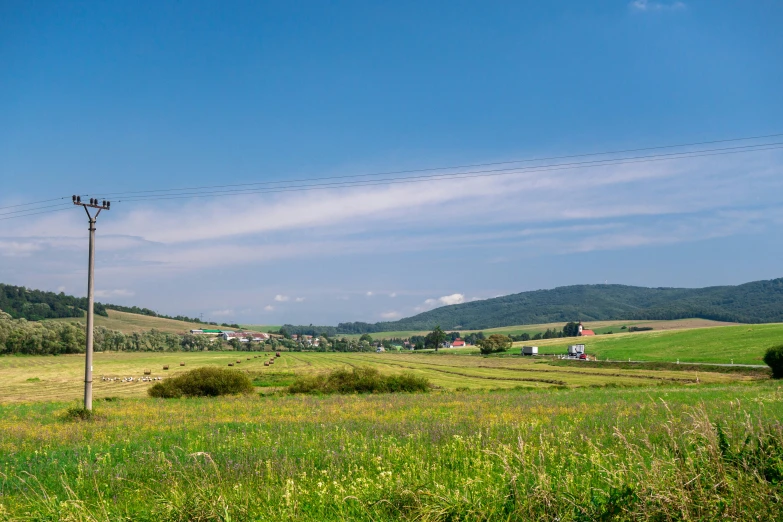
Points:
(755, 302)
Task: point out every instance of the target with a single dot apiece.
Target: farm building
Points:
(245, 336)
(584, 332)
(458, 343)
(206, 332)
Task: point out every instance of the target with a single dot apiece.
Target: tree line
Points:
(34, 305)
(23, 337)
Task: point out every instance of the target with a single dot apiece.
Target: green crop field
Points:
(743, 344)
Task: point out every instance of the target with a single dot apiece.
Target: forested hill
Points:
(24, 303)
(20, 302)
(756, 302)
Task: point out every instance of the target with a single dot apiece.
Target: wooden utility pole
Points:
(102, 205)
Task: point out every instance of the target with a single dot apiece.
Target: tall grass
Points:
(363, 379)
(659, 453)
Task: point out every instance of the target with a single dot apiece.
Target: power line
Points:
(37, 208)
(390, 173)
(349, 181)
(33, 203)
(462, 175)
(35, 213)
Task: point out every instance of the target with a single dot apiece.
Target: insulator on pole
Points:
(74, 198)
(78, 199)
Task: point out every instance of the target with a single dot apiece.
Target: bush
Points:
(774, 359)
(79, 413)
(495, 343)
(359, 380)
(203, 382)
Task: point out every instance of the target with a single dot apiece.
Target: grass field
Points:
(668, 452)
(499, 438)
(128, 323)
(35, 378)
(599, 327)
(744, 344)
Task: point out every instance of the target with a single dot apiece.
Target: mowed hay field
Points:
(128, 323)
(672, 452)
(42, 378)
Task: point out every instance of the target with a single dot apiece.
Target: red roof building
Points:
(587, 332)
(458, 343)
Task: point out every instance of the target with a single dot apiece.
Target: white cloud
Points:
(222, 313)
(393, 294)
(390, 315)
(118, 292)
(441, 301)
(647, 5)
(299, 299)
(452, 299)
(281, 298)
(269, 308)
(369, 294)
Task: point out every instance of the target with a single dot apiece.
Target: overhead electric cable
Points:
(34, 202)
(436, 177)
(36, 208)
(390, 173)
(357, 180)
(34, 213)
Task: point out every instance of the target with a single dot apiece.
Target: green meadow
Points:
(742, 344)
(496, 438)
(672, 452)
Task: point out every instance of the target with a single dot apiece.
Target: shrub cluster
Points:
(495, 343)
(79, 413)
(203, 382)
(359, 380)
(774, 359)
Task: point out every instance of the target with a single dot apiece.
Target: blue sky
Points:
(129, 96)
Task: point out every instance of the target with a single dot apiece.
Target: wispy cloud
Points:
(510, 218)
(222, 313)
(390, 315)
(269, 308)
(117, 292)
(647, 5)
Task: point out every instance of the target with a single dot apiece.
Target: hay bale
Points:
(166, 367)
(182, 364)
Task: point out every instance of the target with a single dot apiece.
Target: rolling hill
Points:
(756, 302)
